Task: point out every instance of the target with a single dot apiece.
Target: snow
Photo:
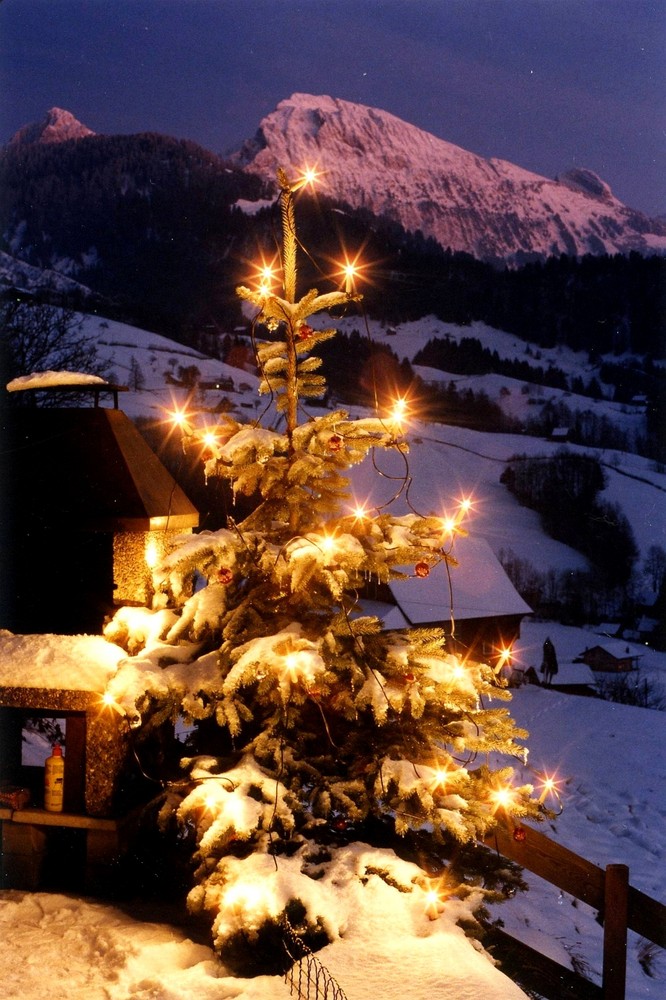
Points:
(610, 759)
(369, 158)
(46, 380)
(59, 662)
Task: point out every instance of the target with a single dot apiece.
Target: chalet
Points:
(89, 510)
(475, 604)
(611, 657)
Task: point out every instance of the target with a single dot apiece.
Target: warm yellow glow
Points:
(108, 701)
(179, 418)
(243, 896)
(549, 786)
(440, 778)
(434, 903)
(309, 176)
(328, 544)
(505, 656)
(359, 512)
(399, 412)
(449, 524)
(151, 553)
(209, 438)
(503, 797)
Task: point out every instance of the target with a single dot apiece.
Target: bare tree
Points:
(38, 337)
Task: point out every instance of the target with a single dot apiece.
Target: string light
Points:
(503, 797)
(209, 438)
(549, 787)
(399, 412)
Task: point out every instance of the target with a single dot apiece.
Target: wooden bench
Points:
(25, 835)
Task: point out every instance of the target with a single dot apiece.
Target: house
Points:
(475, 603)
(89, 509)
(614, 657)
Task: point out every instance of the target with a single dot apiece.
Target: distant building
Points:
(475, 604)
(611, 657)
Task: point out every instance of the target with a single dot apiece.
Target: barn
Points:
(475, 603)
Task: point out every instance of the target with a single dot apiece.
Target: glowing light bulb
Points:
(503, 797)
(434, 903)
(350, 272)
(399, 412)
(549, 787)
(505, 656)
(179, 418)
(359, 512)
(328, 544)
(209, 438)
(309, 176)
(108, 701)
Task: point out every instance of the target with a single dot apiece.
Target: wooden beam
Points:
(616, 909)
(533, 971)
(557, 864)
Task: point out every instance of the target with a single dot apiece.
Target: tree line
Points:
(152, 224)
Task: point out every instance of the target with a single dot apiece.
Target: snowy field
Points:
(610, 760)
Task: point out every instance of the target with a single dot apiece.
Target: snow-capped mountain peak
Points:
(57, 126)
(490, 208)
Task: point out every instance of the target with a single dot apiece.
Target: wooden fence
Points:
(620, 906)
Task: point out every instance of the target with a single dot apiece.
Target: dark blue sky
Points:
(547, 84)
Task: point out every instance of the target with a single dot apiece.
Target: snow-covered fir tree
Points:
(317, 727)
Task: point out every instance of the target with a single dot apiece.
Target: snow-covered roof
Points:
(479, 588)
(573, 675)
(49, 379)
(618, 648)
(389, 614)
(58, 662)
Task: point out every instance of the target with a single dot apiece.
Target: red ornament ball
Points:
(224, 575)
(305, 331)
(409, 678)
(422, 569)
(340, 824)
(519, 834)
(335, 442)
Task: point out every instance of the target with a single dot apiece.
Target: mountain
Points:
(489, 208)
(57, 126)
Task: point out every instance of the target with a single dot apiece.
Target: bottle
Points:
(54, 780)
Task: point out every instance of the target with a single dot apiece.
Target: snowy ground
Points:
(610, 759)
(611, 764)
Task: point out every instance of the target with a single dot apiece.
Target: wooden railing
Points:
(620, 905)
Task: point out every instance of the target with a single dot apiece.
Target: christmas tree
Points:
(317, 727)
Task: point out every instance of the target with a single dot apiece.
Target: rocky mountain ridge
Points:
(489, 208)
(57, 126)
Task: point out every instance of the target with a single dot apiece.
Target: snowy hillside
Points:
(446, 462)
(492, 209)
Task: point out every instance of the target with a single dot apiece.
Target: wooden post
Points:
(616, 908)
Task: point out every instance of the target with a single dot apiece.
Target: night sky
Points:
(547, 84)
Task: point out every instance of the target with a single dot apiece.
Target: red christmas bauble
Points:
(422, 569)
(409, 678)
(519, 834)
(224, 575)
(335, 442)
(305, 331)
(340, 824)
